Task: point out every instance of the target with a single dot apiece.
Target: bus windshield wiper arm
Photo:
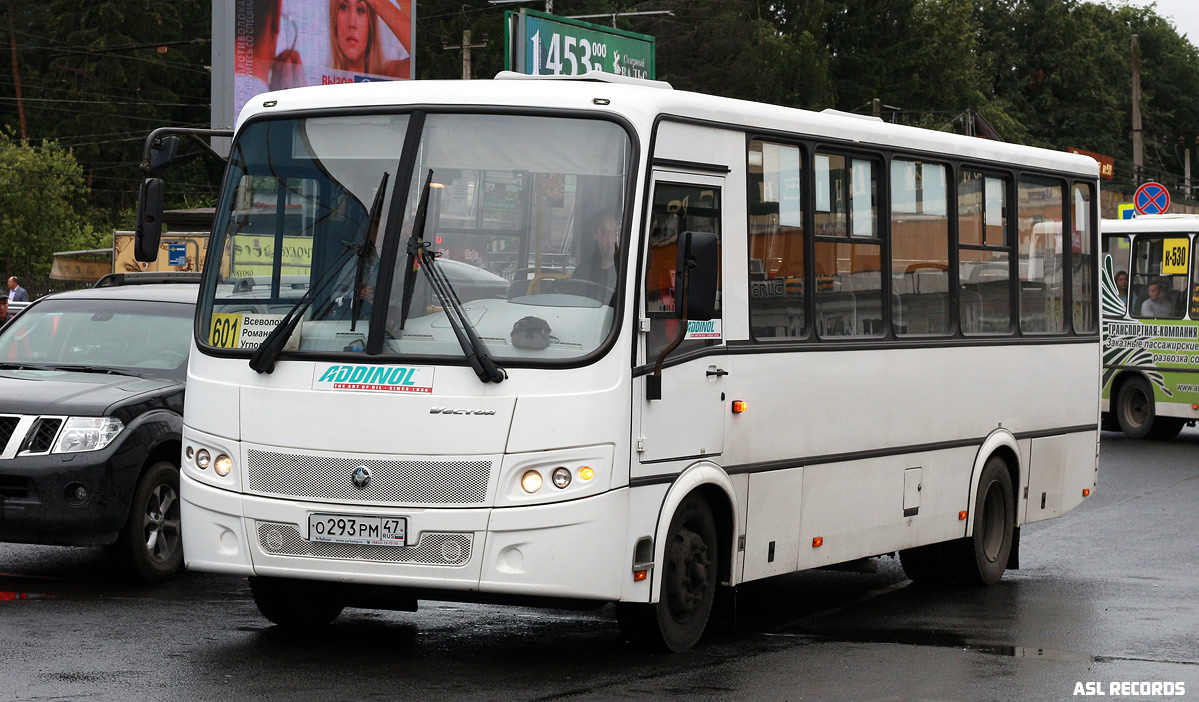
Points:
(420, 256)
(368, 244)
(263, 358)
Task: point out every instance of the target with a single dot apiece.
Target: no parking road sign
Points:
(1151, 199)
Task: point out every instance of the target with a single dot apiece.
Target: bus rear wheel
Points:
(296, 604)
(688, 573)
(1134, 408)
(983, 557)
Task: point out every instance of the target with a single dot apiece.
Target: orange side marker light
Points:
(739, 406)
(1086, 492)
(962, 515)
(639, 575)
(818, 542)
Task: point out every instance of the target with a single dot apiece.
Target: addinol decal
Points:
(370, 378)
(709, 329)
(1153, 347)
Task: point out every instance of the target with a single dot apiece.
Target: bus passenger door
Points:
(688, 421)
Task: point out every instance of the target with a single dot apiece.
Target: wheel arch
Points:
(1001, 443)
(714, 484)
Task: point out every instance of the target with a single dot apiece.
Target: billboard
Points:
(546, 45)
(261, 45)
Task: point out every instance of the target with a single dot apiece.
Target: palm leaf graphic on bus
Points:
(1114, 358)
(1113, 303)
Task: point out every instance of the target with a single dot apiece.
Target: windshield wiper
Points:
(421, 256)
(365, 248)
(263, 358)
(92, 369)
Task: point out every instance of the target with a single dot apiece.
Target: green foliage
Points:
(41, 192)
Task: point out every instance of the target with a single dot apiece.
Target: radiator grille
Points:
(41, 439)
(427, 482)
(7, 425)
(433, 549)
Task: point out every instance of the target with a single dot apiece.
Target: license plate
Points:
(357, 529)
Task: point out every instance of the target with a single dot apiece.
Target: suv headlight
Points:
(87, 434)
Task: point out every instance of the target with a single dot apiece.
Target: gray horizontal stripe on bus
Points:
(768, 466)
(1155, 369)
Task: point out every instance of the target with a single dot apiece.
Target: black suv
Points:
(91, 420)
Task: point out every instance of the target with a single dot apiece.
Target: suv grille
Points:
(423, 482)
(7, 425)
(41, 437)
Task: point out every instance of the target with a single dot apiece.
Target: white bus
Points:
(497, 384)
(1151, 325)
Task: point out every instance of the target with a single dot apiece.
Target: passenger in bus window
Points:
(1157, 305)
(1122, 284)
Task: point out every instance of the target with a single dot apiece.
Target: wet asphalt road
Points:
(1108, 593)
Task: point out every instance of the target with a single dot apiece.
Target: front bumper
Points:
(37, 505)
(569, 549)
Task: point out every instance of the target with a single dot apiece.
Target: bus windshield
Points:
(524, 216)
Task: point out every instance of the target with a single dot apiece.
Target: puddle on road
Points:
(13, 596)
(945, 640)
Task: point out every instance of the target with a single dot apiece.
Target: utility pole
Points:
(16, 74)
(1138, 153)
(466, 46)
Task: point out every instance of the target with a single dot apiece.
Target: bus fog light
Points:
(203, 459)
(586, 473)
(530, 482)
(223, 465)
(561, 477)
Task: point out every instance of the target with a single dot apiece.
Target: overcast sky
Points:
(1183, 13)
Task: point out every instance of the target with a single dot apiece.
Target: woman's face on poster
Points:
(353, 28)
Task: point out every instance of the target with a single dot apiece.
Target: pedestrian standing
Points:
(16, 293)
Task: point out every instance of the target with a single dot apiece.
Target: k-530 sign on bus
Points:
(545, 45)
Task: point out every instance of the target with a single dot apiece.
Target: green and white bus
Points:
(1150, 325)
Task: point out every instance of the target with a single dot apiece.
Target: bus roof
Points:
(1146, 224)
(643, 102)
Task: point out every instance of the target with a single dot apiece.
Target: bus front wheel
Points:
(688, 573)
(1134, 408)
(295, 604)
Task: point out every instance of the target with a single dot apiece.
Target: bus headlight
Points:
(203, 459)
(223, 465)
(530, 482)
(561, 477)
(87, 434)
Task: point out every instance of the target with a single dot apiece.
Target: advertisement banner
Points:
(279, 44)
(546, 45)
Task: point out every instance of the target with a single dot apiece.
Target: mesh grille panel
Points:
(433, 549)
(392, 482)
(42, 436)
(7, 425)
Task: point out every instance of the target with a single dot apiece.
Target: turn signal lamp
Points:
(818, 542)
(639, 575)
(739, 406)
(530, 482)
(962, 516)
(586, 473)
(1086, 492)
(222, 465)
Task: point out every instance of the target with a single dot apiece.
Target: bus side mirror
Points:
(162, 153)
(149, 221)
(697, 271)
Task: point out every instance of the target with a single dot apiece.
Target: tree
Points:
(41, 193)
